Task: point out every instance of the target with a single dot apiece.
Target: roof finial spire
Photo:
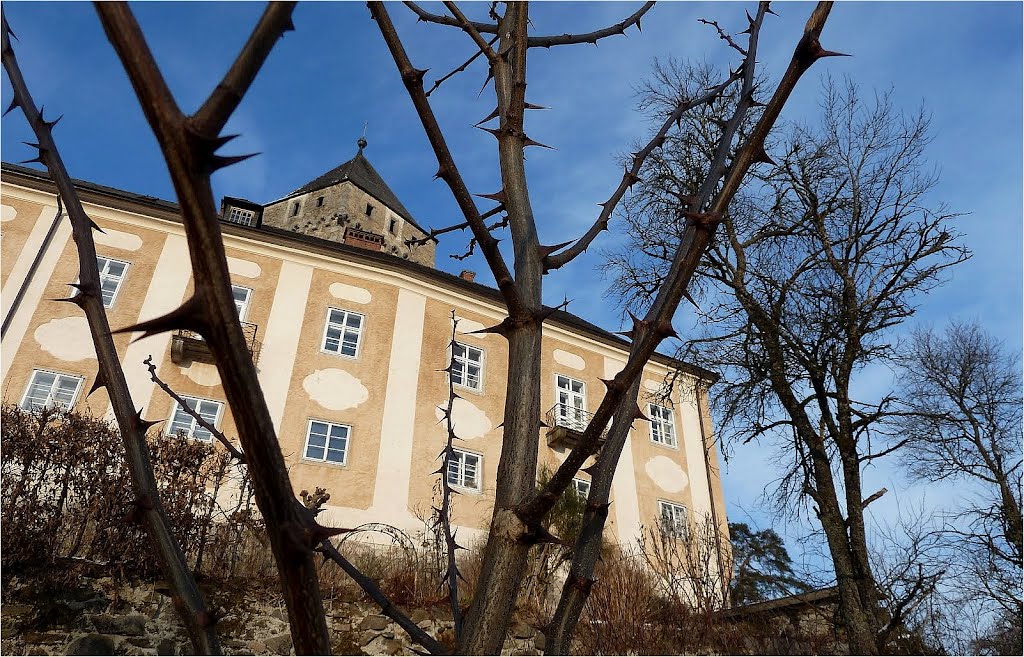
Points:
(362, 140)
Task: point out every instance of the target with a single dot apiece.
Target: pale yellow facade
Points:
(387, 394)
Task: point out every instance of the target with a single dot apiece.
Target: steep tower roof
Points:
(361, 173)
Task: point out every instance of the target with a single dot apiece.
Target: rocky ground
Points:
(107, 617)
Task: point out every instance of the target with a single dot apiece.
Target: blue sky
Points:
(960, 61)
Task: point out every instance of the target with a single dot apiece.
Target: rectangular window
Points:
(295, 208)
(572, 403)
(369, 209)
(183, 423)
(663, 429)
(464, 470)
(341, 336)
(111, 274)
(467, 366)
(392, 226)
(582, 487)
(51, 389)
(240, 216)
(242, 296)
(319, 201)
(327, 442)
(673, 518)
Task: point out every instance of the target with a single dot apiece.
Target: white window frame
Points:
(191, 433)
(341, 342)
(240, 216)
(242, 309)
(461, 470)
(663, 426)
(579, 484)
(573, 420)
(462, 363)
(327, 443)
(50, 402)
(102, 276)
(680, 520)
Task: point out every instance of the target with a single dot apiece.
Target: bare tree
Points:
(819, 259)
(963, 390)
(190, 144)
(517, 520)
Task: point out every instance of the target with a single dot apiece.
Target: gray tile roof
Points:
(361, 173)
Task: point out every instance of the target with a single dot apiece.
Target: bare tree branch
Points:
(539, 41)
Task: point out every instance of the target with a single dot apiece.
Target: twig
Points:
(459, 69)
(214, 431)
(465, 224)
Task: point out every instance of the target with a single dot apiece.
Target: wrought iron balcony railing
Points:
(566, 424)
(188, 346)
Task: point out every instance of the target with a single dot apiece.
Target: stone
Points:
(367, 637)
(16, 611)
(378, 623)
(92, 644)
(167, 647)
(280, 614)
(132, 625)
(140, 641)
(419, 615)
(44, 637)
(280, 644)
(539, 641)
(522, 631)
(393, 647)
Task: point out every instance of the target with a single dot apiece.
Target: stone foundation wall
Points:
(106, 617)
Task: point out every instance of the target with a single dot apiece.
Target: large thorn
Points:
(14, 103)
(487, 118)
(220, 161)
(99, 382)
(188, 315)
(530, 142)
(498, 196)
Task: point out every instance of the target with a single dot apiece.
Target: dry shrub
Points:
(67, 493)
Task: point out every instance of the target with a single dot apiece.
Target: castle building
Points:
(349, 323)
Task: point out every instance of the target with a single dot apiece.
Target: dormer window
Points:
(369, 209)
(240, 216)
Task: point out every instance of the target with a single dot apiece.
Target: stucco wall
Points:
(388, 394)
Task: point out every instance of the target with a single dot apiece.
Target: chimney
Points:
(468, 275)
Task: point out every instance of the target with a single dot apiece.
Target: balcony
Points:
(566, 425)
(188, 346)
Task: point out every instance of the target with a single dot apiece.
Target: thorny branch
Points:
(447, 170)
(214, 431)
(464, 225)
(444, 514)
(631, 175)
(198, 621)
(538, 41)
(189, 149)
(459, 69)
